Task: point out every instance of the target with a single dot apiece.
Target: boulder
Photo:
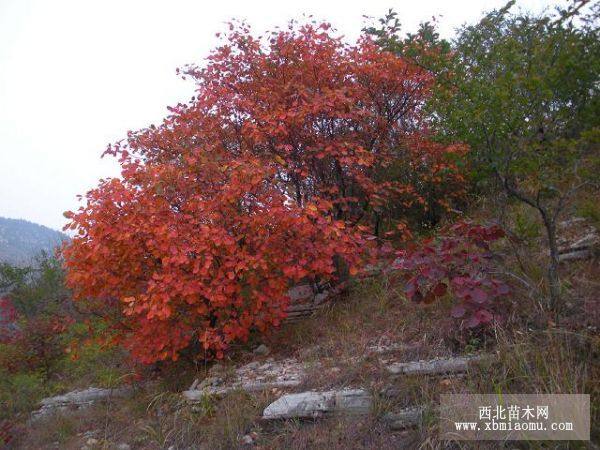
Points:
(77, 399)
(310, 405)
(403, 419)
(262, 350)
(435, 366)
(253, 377)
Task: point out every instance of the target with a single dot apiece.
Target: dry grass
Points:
(339, 433)
(156, 419)
(534, 355)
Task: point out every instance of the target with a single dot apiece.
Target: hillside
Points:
(21, 240)
(389, 242)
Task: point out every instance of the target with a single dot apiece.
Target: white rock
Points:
(251, 366)
(262, 350)
(247, 440)
(77, 399)
(307, 405)
(405, 418)
(571, 256)
(434, 366)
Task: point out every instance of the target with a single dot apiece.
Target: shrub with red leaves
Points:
(292, 149)
(458, 263)
(8, 319)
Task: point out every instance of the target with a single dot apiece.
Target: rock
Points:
(208, 382)
(92, 442)
(577, 240)
(572, 256)
(83, 396)
(251, 366)
(307, 299)
(262, 350)
(253, 377)
(586, 241)
(76, 400)
(435, 366)
(197, 395)
(216, 369)
(406, 418)
(311, 405)
(123, 446)
(194, 384)
(306, 405)
(570, 222)
(247, 440)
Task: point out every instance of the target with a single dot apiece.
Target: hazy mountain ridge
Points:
(21, 240)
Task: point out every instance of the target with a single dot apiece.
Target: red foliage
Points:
(457, 263)
(36, 344)
(8, 320)
(6, 432)
(268, 176)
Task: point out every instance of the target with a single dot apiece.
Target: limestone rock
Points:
(77, 399)
(252, 377)
(307, 405)
(577, 239)
(262, 350)
(406, 418)
(574, 255)
(435, 366)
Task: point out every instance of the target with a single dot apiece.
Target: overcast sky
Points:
(76, 75)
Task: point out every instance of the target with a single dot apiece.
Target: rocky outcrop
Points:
(77, 399)
(252, 377)
(313, 405)
(438, 366)
(307, 299)
(405, 418)
(310, 405)
(577, 240)
(269, 374)
(290, 373)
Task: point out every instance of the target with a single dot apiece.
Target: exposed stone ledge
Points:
(435, 366)
(313, 405)
(310, 405)
(76, 400)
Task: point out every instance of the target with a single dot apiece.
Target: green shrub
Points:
(526, 226)
(590, 209)
(21, 392)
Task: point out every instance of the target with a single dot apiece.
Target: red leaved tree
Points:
(273, 173)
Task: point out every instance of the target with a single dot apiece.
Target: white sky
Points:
(75, 75)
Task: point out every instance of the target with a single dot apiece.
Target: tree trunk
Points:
(552, 274)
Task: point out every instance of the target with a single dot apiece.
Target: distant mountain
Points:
(21, 241)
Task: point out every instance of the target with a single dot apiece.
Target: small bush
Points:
(590, 209)
(20, 393)
(295, 147)
(457, 264)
